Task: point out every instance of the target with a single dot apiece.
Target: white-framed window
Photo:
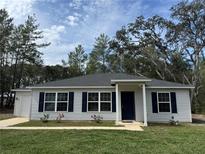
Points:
(164, 103)
(57, 101)
(49, 101)
(62, 102)
(99, 101)
(105, 101)
(93, 99)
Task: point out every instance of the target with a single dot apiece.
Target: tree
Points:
(201, 94)
(29, 48)
(99, 57)
(76, 61)
(52, 73)
(18, 47)
(171, 48)
(6, 27)
(187, 32)
(143, 41)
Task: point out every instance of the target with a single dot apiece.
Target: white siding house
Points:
(113, 96)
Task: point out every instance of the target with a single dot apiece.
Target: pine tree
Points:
(76, 61)
(99, 57)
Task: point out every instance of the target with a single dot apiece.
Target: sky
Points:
(67, 23)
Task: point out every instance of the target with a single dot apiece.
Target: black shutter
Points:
(71, 101)
(173, 102)
(154, 102)
(113, 102)
(84, 102)
(41, 102)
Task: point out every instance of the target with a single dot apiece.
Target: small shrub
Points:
(45, 118)
(97, 118)
(173, 121)
(59, 117)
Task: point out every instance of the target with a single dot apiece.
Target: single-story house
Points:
(114, 96)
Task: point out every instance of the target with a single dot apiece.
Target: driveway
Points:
(198, 118)
(12, 121)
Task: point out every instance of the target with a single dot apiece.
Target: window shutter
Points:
(154, 102)
(41, 102)
(173, 102)
(113, 101)
(84, 102)
(71, 101)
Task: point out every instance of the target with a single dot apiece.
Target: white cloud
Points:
(18, 9)
(69, 23)
(58, 48)
(72, 20)
(55, 53)
(53, 34)
(76, 4)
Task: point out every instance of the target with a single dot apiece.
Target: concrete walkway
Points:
(12, 121)
(74, 128)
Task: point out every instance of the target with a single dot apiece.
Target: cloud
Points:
(103, 16)
(58, 48)
(67, 23)
(18, 9)
(55, 53)
(53, 34)
(76, 4)
(72, 20)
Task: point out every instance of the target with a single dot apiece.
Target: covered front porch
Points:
(131, 101)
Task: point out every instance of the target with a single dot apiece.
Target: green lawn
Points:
(54, 123)
(155, 139)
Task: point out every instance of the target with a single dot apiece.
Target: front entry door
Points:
(128, 105)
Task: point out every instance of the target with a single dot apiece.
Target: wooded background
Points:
(170, 49)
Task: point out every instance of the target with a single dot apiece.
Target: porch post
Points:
(117, 103)
(144, 104)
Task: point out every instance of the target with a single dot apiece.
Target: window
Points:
(99, 101)
(62, 102)
(92, 101)
(164, 102)
(163, 97)
(56, 102)
(105, 101)
(50, 101)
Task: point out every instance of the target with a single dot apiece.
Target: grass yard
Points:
(54, 123)
(155, 139)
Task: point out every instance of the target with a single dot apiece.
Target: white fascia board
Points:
(131, 80)
(20, 89)
(158, 87)
(72, 87)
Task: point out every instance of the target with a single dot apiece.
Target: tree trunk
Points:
(2, 79)
(14, 73)
(195, 82)
(21, 74)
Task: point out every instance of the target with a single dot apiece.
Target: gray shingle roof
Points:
(90, 80)
(162, 83)
(105, 80)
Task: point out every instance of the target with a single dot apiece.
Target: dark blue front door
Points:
(128, 105)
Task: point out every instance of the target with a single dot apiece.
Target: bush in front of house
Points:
(59, 117)
(45, 118)
(97, 118)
